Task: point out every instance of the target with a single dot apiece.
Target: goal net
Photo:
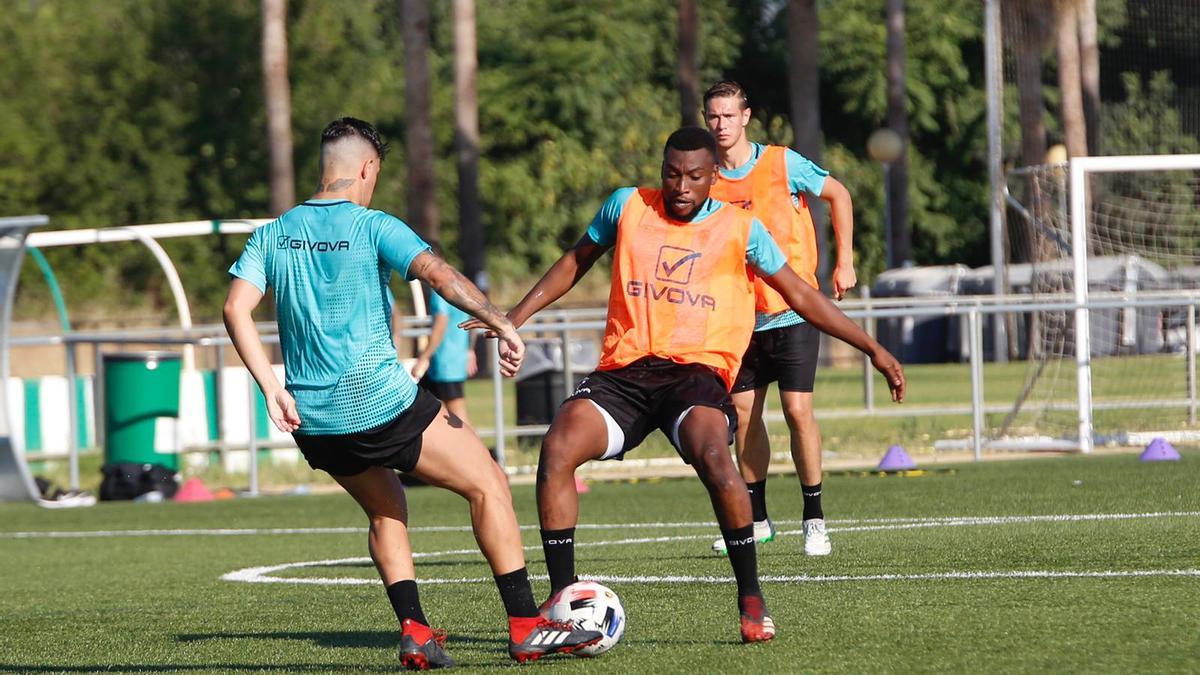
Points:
(1133, 223)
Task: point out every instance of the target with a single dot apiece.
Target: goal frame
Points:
(1079, 170)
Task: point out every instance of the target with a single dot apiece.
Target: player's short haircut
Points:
(691, 138)
(351, 127)
(727, 89)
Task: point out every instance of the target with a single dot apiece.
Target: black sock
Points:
(758, 499)
(740, 543)
(812, 501)
(406, 602)
(516, 593)
(559, 547)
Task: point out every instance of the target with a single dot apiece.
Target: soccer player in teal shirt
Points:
(349, 404)
(447, 360)
(784, 349)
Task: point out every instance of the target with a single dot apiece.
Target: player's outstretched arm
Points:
(560, 278)
(841, 214)
(460, 292)
(242, 299)
(809, 303)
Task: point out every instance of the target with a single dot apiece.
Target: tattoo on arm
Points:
(458, 290)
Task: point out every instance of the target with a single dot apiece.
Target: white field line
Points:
(1003, 520)
(229, 532)
(265, 574)
(845, 525)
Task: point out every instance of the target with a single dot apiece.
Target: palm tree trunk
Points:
(689, 63)
(1028, 25)
(804, 60)
(1070, 78)
(278, 101)
(1089, 55)
(1030, 33)
(418, 138)
(466, 142)
(804, 92)
(897, 98)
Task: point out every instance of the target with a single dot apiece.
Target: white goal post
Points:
(1080, 168)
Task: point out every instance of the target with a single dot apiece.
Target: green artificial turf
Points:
(157, 603)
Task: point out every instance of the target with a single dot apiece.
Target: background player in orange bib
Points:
(679, 318)
(771, 182)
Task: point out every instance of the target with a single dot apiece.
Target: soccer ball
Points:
(590, 606)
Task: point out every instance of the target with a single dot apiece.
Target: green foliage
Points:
(1146, 122)
(1160, 207)
(571, 116)
(137, 111)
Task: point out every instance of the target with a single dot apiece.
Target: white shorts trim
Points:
(675, 427)
(616, 435)
(679, 422)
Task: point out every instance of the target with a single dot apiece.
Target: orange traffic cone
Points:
(193, 490)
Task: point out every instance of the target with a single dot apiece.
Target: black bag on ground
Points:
(128, 480)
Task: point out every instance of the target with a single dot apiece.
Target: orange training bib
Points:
(680, 291)
(765, 193)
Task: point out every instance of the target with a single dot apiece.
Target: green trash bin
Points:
(141, 407)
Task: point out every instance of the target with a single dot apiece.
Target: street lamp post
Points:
(886, 146)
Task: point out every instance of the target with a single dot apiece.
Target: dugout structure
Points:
(16, 238)
(15, 480)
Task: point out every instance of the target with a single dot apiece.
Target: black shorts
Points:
(785, 355)
(445, 391)
(654, 393)
(395, 444)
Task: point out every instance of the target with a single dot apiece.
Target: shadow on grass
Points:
(363, 639)
(202, 667)
(354, 639)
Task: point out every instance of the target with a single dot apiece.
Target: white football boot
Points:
(764, 531)
(816, 541)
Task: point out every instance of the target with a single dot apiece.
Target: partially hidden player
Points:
(353, 409)
(773, 183)
(448, 359)
(680, 315)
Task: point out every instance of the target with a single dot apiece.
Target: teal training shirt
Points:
(762, 253)
(328, 263)
(449, 361)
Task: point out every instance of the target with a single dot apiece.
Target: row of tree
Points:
(516, 119)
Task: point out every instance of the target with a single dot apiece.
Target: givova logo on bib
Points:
(675, 264)
(285, 241)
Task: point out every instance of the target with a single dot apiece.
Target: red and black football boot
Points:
(530, 638)
(756, 623)
(421, 646)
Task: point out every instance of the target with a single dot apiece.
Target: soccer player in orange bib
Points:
(771, 182)
(680, 314)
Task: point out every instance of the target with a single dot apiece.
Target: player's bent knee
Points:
(713, 464)
(493, 487)
(723, 481)
(561, 451)
(386, 523)
(490, 498)
(798, 414)
(552, 465)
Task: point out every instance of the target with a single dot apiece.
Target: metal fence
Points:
(563, 325)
